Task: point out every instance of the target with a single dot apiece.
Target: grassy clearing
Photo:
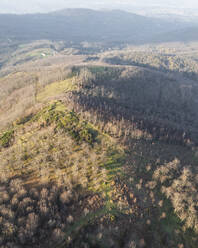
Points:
(68, 121)
(57, 88)
(40, 53)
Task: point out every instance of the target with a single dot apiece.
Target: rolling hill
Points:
(79, 25)
(185, 35)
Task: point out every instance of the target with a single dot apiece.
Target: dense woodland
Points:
(98, 144)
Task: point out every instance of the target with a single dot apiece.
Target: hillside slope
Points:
(91, 161)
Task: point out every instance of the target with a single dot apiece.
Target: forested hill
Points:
(185, 35)
(78, 25)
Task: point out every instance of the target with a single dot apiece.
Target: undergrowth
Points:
(67, 121)
(6, 138)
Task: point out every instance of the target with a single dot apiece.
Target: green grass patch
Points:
(6, 138)
(67, 121)
(56, 89)
(40, 53)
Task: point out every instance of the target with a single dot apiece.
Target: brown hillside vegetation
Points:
(98, 156)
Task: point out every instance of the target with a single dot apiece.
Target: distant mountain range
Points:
(77, 25)
(184, 35)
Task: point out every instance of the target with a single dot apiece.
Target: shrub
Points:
(6, 138)
(4, 197)
(58, 235)
(8, 229)
(66, 197)
(24, 119)
(32, 223)
(15, 185)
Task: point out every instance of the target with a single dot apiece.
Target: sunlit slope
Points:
(55, 149)
(91, 163)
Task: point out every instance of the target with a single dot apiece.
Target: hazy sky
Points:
(27, 6)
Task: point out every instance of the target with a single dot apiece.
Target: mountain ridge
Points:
(79, 25)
